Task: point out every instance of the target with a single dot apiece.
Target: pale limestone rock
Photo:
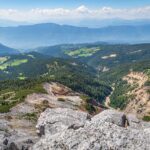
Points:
(57, 120)
(66, 129)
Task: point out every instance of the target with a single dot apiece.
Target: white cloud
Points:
(82, 9)
(82, 12)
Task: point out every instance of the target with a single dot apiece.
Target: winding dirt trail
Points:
(107, 100)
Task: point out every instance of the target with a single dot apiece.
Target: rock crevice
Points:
(107, 130)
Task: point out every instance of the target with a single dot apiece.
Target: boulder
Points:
(56, 120)
(66, 129)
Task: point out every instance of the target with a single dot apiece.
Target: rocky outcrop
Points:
(57, 120)
(57, 96)
(139, 101)
(66, 129)
(15, 133)
(17, 127)
(63, 126)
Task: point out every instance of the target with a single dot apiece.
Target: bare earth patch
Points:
(20, 122)
(140, 104)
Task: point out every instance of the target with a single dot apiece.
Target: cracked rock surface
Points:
(67, 129)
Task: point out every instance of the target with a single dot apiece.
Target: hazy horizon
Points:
(78, 13)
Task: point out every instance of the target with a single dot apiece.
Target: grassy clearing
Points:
(83, 52)
(3, 59)
(31, 56)
(22, 93)
(21, 76)
(13, 63)
(146, 118)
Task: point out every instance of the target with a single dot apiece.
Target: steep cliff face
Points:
(139, 103)
(66, 129)
(63, 125)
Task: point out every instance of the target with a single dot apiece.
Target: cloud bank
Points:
(82, 12)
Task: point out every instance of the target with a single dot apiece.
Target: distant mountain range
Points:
(31, 36)
(8, 23)
(91, 23)
(4, 50)
(97, 23)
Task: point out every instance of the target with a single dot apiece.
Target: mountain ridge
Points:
(31, 36)
(4, 50)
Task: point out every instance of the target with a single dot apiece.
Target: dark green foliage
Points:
(4, 50)
(30, 116)
(146, 118)
(61, 99)
(77, 73)
(119, 99)
(4, 108)
(78, 78)
(20, 89)
(90, 108)
(125, 53)
(147, 83)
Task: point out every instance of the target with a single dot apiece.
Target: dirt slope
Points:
(18, 125)
(139, 104)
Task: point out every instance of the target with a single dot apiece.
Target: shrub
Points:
(146, 118)
(4, 108)
(61, 99)
(90, 108)
(30, 116)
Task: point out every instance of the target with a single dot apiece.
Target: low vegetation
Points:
(30, 116)
(119, 98)
(12, 63)
(82, 52)
(3, 59)
(16, 91)
(61, 99)
(78, 72)
(146, 118)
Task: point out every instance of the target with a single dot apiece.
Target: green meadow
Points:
(83, 52)
(12, 63)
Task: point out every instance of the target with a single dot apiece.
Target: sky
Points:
(63, 11)
(29, 4)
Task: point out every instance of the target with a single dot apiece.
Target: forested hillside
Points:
(131, 85)
(24, 74)
(98, 55)
(92, 69)
(4, 50)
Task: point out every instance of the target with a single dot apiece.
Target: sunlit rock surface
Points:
(66, 129)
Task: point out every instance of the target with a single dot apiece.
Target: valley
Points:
(84, 78)
(74, 75)
(94, 69)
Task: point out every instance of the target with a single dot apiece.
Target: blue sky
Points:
(73, 11)
(28, 4)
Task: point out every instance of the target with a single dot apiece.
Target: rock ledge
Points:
(67, 129)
